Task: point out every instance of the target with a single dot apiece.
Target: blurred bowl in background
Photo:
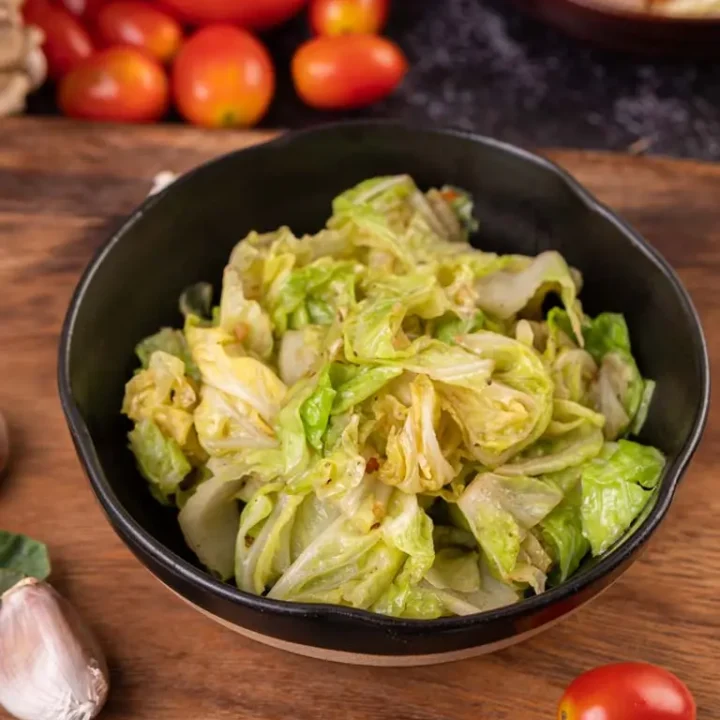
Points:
(632, 26)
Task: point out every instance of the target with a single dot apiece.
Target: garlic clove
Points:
(14, 87)
(35, 63)
(51, 666)
(12, 46)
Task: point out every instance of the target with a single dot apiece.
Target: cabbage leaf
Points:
(615, 489)
(382, 416)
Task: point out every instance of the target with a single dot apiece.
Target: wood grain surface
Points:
(63, 188)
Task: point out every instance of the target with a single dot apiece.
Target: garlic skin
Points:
(51, 667)
(23, 66)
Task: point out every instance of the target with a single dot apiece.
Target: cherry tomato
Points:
(83, 9)
(122, 84)
(32, 8)
(66, 43)
(222, 77)
(347, 72)
(130, 22)
(340, 17)
(627, 691)
(255, 14)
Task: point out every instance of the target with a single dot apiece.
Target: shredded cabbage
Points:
(383, 417)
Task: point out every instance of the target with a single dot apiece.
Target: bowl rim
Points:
(616, 12)
(149, 547)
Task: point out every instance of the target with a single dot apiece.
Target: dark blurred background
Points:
(483, 65)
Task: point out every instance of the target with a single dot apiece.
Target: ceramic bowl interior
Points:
(524, 204)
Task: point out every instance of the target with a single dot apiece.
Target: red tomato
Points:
(32, 8)
(340, 17)
(347, 72)
(256, 14)
(84, 9)
(130, 22)
(627, 691)
(223, 76)
(123, 84)
(66, 43)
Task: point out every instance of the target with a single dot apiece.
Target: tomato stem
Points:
(229, 119)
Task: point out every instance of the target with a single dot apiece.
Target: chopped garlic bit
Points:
(162, 180)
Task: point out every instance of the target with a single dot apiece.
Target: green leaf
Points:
(615, 489)
(209, 522)
(315, 294)
(619, 393)
(445, 215)
(300, 351)
(315, 410)
(171, 342)
(384, 194)
(607, 332)
(502, 417)
(455, 569)
(21, 557)
(552, 454)
(163, 394)
(562, 534)
(320, 311)
(263, 551)
(160, 459)
(290, 428)
(508, 291)
(644, 407)
(427, 601)
(409, 529)
(500, 511)
(449, 364)
(415, 461)
(243, 317)
(225, 424)
(225, 367)
(343, 565)
(359, 384)
(338, 477)
(168, 340)
(449, 326)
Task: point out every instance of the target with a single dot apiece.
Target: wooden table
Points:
(63, 187)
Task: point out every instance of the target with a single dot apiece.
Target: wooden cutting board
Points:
(63, 188)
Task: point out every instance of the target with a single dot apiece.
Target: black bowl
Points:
(525, 204)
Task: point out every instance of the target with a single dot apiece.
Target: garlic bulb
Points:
(51, 667)
(23, 66)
